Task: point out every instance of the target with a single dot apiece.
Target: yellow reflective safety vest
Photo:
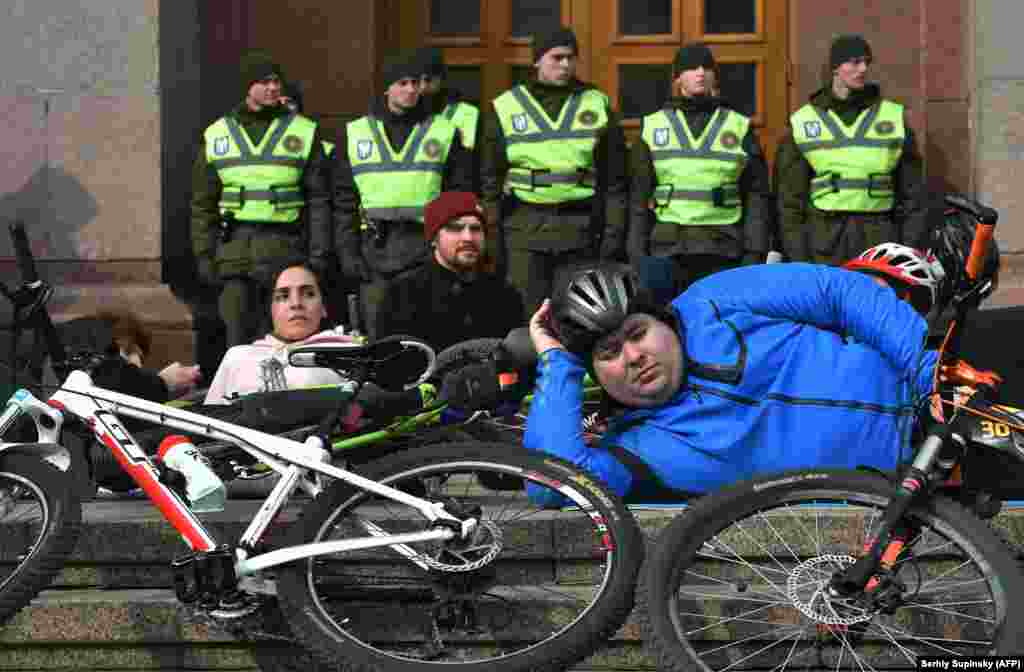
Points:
(261, 183)
(697, 178)
(397, 185)
(551, 161)
(465, 117)
(853, 165)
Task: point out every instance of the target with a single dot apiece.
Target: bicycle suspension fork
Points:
(938, 451)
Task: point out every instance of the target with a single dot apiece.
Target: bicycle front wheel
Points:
(740, 582)
(535, 588)
(40, 519)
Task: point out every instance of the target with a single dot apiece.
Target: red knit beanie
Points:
(447, 207)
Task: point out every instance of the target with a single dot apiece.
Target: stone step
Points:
(127, 544)
(147, 629)
(113, 607)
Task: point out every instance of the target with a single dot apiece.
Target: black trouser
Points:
(540, 241)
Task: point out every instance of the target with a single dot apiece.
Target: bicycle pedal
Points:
(235, 605)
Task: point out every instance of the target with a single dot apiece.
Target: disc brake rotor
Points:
(807, 588)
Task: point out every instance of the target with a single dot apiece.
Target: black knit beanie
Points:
(846, 47)
(401, 65)
(692, 56)
(256, 65)
(544, 41)
(432, 61)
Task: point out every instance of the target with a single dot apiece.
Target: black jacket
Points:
(443, 308)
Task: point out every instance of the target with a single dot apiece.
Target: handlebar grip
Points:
(26, 264)
(979, 250)
(983, 214)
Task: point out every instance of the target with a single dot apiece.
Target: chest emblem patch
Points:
(519, 122)
(432, 148)
(364, 149)
(661, 137)
(221, 145)
(812, 129)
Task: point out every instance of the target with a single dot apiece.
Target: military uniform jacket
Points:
(254, 247)
(607, 208)
(748, 238)
(388, 250)
(812, 234)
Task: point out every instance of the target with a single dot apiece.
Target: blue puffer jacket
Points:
(788, 366)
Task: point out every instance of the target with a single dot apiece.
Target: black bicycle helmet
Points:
(595, 300)
(951, 244)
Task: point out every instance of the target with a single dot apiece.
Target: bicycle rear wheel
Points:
(537, 588)
(40, 519)
(739, 582)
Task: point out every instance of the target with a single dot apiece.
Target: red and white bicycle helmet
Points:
(915, 270)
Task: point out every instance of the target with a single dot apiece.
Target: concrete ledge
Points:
(113, 608)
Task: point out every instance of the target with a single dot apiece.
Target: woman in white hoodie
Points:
(297, 311)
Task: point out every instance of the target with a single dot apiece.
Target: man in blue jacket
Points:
(752, 370)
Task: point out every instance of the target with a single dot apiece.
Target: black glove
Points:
(472, 388)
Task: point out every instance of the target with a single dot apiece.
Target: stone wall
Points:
(80, 163)
(998, 85)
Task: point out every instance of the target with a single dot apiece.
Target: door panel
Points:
(626, 48)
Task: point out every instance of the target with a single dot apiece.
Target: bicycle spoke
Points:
(796, 631)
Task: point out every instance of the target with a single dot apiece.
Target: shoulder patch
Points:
(432, 148)
(885, 127)
(729, 139)
(588, 117)
(221, 145)
(293, 143)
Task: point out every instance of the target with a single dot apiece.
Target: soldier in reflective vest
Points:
(553, 171)
(698, 180)
(448, 102)
(388, 166)
(848, 172)
(259, 196)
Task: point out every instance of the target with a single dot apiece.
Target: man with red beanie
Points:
(451, 298)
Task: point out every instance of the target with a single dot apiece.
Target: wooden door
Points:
(633, 42)
(626, 48)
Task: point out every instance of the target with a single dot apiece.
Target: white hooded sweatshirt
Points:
(263, 367)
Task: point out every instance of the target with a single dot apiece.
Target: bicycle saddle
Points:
(392, 363)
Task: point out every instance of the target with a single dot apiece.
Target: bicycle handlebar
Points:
(29, 274)
(23, 253)
(982, 213)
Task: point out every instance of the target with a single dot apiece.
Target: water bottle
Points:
(204, 488)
